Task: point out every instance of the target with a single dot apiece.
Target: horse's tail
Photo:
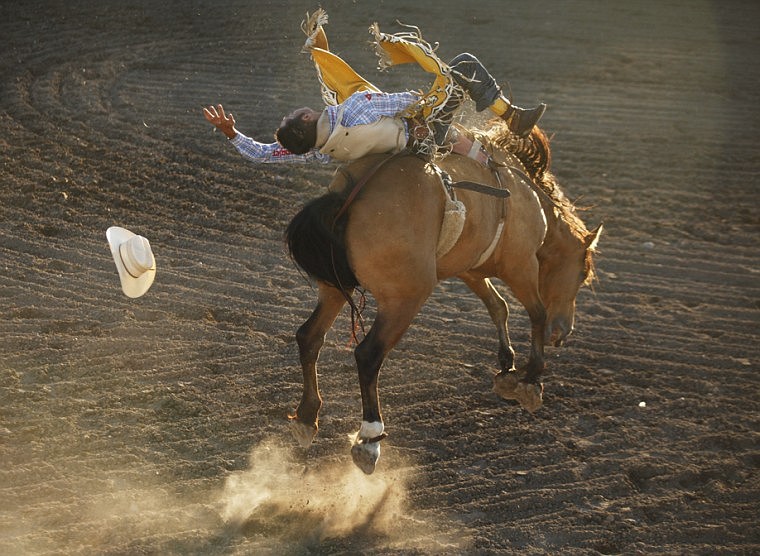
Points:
(316, 242)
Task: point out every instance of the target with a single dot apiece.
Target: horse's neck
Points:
(548, 204)
(562, 227)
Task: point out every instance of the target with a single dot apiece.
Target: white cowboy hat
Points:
(134, 260)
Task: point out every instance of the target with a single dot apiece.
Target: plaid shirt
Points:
(360, 108)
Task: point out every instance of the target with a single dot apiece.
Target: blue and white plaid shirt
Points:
(360, 108)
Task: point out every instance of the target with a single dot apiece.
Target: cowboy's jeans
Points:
(470, 74)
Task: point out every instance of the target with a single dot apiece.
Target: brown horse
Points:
(385, 241)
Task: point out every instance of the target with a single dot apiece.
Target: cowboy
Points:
(369, 121)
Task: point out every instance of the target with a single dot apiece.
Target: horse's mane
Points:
(534, 155)
(532, 151)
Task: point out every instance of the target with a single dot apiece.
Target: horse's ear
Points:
(593, 237)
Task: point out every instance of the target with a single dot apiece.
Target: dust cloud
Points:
(283, 502)
(284, 499)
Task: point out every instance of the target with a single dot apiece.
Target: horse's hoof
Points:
(508, 386)
(365, 456)
(303, 433)
(504, 384)
(530, 396)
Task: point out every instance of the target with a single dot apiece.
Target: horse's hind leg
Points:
(311, 337)
(392, 320)
(499, 312)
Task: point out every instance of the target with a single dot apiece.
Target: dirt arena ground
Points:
(158, 425)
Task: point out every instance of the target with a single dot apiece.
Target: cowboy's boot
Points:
(521, 120)
(470, 74)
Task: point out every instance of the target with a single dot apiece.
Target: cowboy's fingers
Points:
(211, 114)
(221, 117)
(225, 117)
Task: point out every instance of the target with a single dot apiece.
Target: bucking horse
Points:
(380, 227)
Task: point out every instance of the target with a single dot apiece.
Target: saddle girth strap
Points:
(482, 188)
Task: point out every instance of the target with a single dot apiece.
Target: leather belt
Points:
(418, 131)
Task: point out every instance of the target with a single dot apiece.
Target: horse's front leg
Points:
(499, 312)
(525, 385)
(310, 337)
(536, 363)
(392, 320)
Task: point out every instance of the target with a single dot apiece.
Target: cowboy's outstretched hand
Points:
(223, 122)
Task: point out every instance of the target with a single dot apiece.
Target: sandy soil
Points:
(158, 425)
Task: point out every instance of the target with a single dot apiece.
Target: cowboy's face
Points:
(298, 130)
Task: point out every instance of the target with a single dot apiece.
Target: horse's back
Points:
(394, 224)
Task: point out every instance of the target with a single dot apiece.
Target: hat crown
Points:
(134, 260)
(137, 256)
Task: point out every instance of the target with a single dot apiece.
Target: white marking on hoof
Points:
(365, 456)
(371, 430)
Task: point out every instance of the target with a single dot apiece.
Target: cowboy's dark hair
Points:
(296, 134)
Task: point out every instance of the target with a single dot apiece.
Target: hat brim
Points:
(131, 286)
